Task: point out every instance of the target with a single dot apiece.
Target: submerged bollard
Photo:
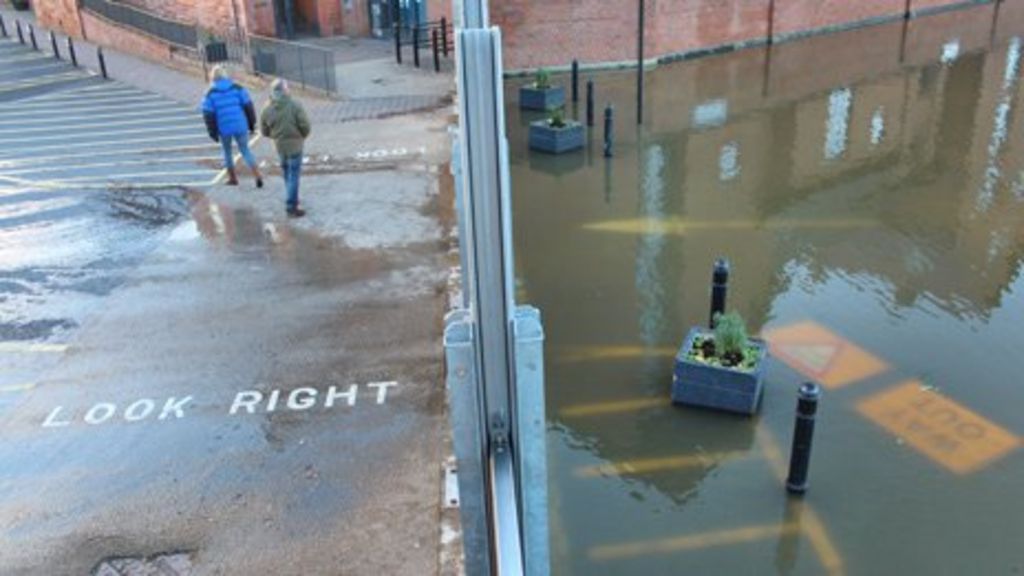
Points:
(71, 52)
(803, 437)
(719, 290)
(53, 45)
(32, 37)
(590, 102)
(609, 114)
(103, 62)
(575, 81)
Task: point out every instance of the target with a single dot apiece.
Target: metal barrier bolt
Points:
(103, 62)
(53, 45)
(444, 35)
(719, 290)
(590, 103)
(609, 120)
(32, 36)
(575, 81)
(803, 437)
(71, 52)
(437, 53)
(416, 46)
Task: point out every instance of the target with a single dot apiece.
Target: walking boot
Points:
(232, 177)
(259, 177)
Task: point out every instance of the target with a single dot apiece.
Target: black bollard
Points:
(609, 125)
(71, 52)
(32, 36)
(398, 42)
(575, 81)
(416, 46)
(719, 290)
(444, 36)
(3, 26)
(21, 34)
(803, 437)
(103, 62)
(53, 45)
(437, 53)
(590, 102)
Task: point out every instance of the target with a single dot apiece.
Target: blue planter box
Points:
(556, 140)
(696, 384)
(531, 98)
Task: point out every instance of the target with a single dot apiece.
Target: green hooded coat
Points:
(285, 122)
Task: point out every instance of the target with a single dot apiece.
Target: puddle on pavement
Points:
(871, 203)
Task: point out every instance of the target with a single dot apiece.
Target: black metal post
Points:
(641, 26)
(719, 290)
(71, 52)
(21, 34)
(328, 88)
(771, 21)
(302, 68)
(444, 35)
(32, 36)
(53, 44)
(590, 103)
(803, 438)
(437, 52)
(398, 41)
(575, 81)
(103, 62)
(3, 26)
(609, 126)
(416, 46)
(906, 11)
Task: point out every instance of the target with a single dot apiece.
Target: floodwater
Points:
(868, 190)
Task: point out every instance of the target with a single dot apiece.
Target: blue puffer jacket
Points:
(228, 110)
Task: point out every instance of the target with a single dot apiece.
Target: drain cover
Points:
(178, 564)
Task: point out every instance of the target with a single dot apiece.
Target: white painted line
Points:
(20, 71)
(100, 99)
(191, 121)
(31, 347)
(35, 160)
(132, 103)
(115, 178)
(9, 87)
(72, 134)
(94, 144)
(69, 118)
(77, 94)
(15, 388)
(25, 57)
(152, 162)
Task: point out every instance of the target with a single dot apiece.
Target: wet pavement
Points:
(868, 188)
(190, 380)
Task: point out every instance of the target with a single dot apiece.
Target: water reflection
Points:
(878, 195)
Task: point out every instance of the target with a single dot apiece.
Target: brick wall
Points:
(59, 15)
(101, 32)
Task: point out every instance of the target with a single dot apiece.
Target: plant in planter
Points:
(541, 95)
(721, 369)
(555, 134)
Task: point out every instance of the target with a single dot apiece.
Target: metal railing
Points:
(309, 66)
(437, 36)
(177, 33)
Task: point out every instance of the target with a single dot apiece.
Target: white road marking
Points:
(71, 133)
(76, 111)
(16, 388)
(65, 118)
(95, 144)
(146, 162)
(31, 347)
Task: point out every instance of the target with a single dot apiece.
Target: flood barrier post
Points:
(416, 46)
(803, 437)
(53, 44)
(71, 52)
(3, 26)
(398, 42)
(21, 34)
(437, 53)
(641, 25)
(32, 36)
(103, 62)
(590, 103)
(719, 290)
(609, 119)
(575, 81)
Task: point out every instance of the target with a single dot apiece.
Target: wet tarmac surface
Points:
(186, 380)
(871, 203)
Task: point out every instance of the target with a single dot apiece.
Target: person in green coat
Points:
(284, 121)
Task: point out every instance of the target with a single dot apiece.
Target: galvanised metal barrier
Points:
(309, 66)
(176, 33)
(437, 37)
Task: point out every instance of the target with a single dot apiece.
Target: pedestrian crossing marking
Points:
(823, 355)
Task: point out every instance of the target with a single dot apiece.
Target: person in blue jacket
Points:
(230, 117)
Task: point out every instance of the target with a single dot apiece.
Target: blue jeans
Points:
(243, 147)
(291, 169)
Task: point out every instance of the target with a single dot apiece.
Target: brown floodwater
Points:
(868, 190)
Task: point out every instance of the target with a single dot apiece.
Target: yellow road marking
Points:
(13, 388)
(944, 431)
(810, 522)
(613, 407)
(648, 465)
(823, 355)
(19, 347)
(592, 353)
(680, 226)
(691, 542)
